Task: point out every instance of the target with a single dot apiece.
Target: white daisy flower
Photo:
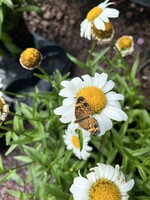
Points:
(104, 183)
(125, 45)
(1, 85)
(97, 16)
(71, 139)
(4, 110)
(98, 95)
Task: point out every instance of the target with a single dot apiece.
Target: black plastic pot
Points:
(16, 79)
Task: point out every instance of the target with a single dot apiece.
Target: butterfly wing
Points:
(90, 124)
(84, 118)
(82, 108)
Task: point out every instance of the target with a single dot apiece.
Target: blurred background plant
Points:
(11, 23)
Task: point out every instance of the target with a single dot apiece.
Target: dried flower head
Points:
(103, 37)
(4, 110)
(30, 58)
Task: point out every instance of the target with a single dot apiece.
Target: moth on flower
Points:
(90, 103)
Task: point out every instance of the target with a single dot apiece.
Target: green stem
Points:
(17, 167)
(90, 54)
(45, 73)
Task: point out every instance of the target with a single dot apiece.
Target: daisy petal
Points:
(111, 12)
(69, 100)
(103, 78)
(99, 24)
(77, 82)
(114, 113)
(67, 92)
(127, 186)
(108, 86)
(113, 96)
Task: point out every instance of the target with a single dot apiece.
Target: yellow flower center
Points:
(124, 42)
(30, 58)
(93, 13)
(108, 26)
(75, 141)
(104, 189)
(94, 97)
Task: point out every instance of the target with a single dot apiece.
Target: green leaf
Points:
(7, 41)
(55, 191)
(147, 183)
(35, 155)
(76, 61)
(20, 194)
(18, 123)
(1, 21)
(10, 174)
(16, 177)
(28, 8)
(1, 165)
(98, 56)
(25, 159)
(11, 148)
(8, 3)
(147, 161)
(141, 172)
(140, 152)
(135, 67)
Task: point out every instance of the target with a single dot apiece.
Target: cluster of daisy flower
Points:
(97, 26)
(89, 107)
(105, 182)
